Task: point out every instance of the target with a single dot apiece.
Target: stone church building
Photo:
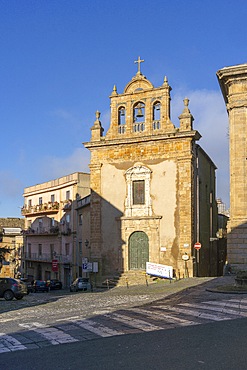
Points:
(152, 186)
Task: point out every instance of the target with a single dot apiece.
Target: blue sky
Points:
(61, 58)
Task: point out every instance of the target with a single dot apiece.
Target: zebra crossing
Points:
(155, 317)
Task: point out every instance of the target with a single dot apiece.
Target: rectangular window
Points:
(40, 200)
(80, 248)
(52, 250)
(52, 198)
(139, 192)
(67, 249)
(40, 230)
(67, 195)
(80, 219)
(40, 249)
(67, 217)
(52, 221)
(30, 203)
(29, 255)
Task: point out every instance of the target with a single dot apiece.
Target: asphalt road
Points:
(183, 325)
(215, 346)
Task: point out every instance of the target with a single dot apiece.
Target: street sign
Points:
(213, 239)
(185, 257)
(54, 265)
(197, 245)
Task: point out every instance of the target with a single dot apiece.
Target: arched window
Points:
(139, 117)
(156, 115)
(121, 120)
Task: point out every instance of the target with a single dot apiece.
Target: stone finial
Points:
(186, 105)
(96, 129)
(97, 114)
(166, 85)
(165, 81)
(114, 91)
(186, 118)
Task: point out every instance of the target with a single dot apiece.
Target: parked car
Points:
(80, 284)
(40, 286)
(12, 288)
(54, 284)
(30, 288)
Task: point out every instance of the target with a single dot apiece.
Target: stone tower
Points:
(145, 184)
(233, 83)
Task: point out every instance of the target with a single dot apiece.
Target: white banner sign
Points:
(159, 270)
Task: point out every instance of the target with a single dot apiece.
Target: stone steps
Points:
(129, 278)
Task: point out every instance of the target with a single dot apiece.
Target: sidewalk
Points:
(162, 288)
(166, 288)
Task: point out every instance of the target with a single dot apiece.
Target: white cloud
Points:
(54, 167)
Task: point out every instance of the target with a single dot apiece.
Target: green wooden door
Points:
(138, 251)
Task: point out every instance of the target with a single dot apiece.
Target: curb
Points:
(226, 291)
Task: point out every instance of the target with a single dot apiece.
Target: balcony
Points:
(67, 205)
(40, 209)
(47, 257)
(54, 230)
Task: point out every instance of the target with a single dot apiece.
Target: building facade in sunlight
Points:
(53, 216)
(11, 246)
(233, 83)
(152, 186)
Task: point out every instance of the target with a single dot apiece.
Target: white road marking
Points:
(9, 343)
(69, 318)
(164, 317)
(54, 335)
(238, 305)
(97, 328)
(194, 312)
(136, 323)
(204, 306)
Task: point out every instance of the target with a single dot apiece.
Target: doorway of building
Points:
(138, 250)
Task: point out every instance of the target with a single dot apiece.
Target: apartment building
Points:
(51, 219)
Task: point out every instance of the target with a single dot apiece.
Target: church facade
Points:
(152, 186)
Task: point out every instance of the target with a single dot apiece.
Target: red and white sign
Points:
(197, 245)
(55, 265)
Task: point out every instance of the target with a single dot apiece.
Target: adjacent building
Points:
(52, 246)
(152, 187)
(11, 246)
(233, 83)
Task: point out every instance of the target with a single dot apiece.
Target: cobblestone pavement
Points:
(45, 319)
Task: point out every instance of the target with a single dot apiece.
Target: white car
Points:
(80, 284)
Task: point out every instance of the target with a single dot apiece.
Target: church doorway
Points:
(138, 250)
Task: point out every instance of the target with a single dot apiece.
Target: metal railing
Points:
(47, 257)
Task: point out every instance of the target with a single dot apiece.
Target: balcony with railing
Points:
(46, 208)
(67, 204)
(54, 230)
(47, 257)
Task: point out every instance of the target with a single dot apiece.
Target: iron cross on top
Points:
(139, 61)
